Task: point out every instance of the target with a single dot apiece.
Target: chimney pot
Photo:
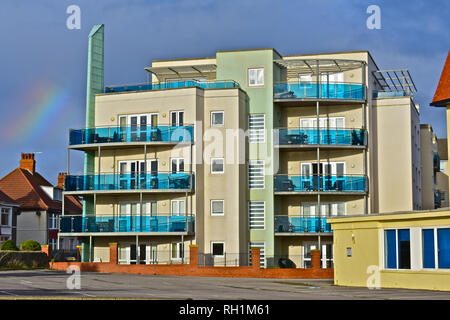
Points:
(27, 162)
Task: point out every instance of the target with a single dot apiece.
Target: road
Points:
(47, 283)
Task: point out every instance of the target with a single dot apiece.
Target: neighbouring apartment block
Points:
(244, 149)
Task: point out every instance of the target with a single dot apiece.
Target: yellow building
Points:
(399, 250)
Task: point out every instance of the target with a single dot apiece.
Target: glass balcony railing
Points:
(130, 181)
(217, 84)
(329, 136)
(293, 90)
(328, 183)
(144, 223)
(131, 134)
(301, 224)
(390, 94)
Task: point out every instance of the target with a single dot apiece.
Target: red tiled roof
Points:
(442, 94)
(25, 189)
(7, 200)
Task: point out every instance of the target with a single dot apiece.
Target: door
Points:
(326, 259)
(307, 179)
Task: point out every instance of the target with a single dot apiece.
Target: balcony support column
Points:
(140, 210)
(99, 164)
(138, 253)
(366, 204)
(185, 214)
(90, 248)
(318, 156)
(182, 243)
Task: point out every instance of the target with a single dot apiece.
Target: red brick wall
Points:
(193, 269)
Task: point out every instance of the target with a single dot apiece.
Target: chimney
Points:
(27, 162)
(61, 176)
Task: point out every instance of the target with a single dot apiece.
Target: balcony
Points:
(313, 90)
(286, 184)
(218, 84)
(139, 181)
(144, 223)
(332, 137)
(390, 94)
(132, 135)
(301, 224)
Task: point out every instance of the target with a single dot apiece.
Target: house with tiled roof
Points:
(8, 213)
(40, 204)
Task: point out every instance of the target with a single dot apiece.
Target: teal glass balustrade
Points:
(173, 85)
(312, 136)
(138, 133)
(301, 224)
(128, 223)
(293, 90)
(331, 183)
(130, 181)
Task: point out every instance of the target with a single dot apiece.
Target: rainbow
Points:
(44, 102)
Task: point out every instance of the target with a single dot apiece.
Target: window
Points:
(255, 77)
(262, 254)
(53, 221)
(428, 248)
(327, 209)
(217, 165)
(256, 174)
(397, 249)
(217, 118)
(256, 128)
(177, 165)
(52, 243)
(218, 249)
(177, 207)
(176, 118)
(217, 207)
(443, 248)
(177, 251)
(5, 217)
(257, 212)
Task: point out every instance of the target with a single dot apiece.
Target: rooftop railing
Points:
(216, 84)
(325, 183)
(390, 94)
(301, 224)
(138, 133)
(128, 223)
(326, 136)
(313, 90)
(130, 181)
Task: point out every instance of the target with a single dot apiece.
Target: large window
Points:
(53, 221)
(255, 77)
(256, 128)
(428, 248)
(256, 213)
(397, 249)
(436, 248)
(256, 174)
(443, 246)
(177, 252)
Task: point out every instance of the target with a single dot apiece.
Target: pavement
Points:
(49, 284)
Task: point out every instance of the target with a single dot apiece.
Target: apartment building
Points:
(430, 166)
(245, 149)
(442, 174)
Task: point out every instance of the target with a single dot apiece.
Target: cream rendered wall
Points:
(228, 186)
(395, 117)
(427, 172)
(30, 226)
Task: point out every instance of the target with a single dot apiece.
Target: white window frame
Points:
(257, 215)
(177, 164)
(223, 208)
(53, 221)
(324, 122)
(178, 201)
(223, 166)
(223, 251)
(223, 119)
(255, 135)
(257, 163)
(313, 205)
(177, 117)
(254, 71)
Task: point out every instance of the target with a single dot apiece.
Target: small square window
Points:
(217, 207)
(255, 77)
(217, 165)
(217, 118)
(217, 249)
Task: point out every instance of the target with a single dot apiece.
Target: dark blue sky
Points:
(43, 64)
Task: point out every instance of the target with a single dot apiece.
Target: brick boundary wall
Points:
(192, 269)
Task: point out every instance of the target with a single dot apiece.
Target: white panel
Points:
(416, 248)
